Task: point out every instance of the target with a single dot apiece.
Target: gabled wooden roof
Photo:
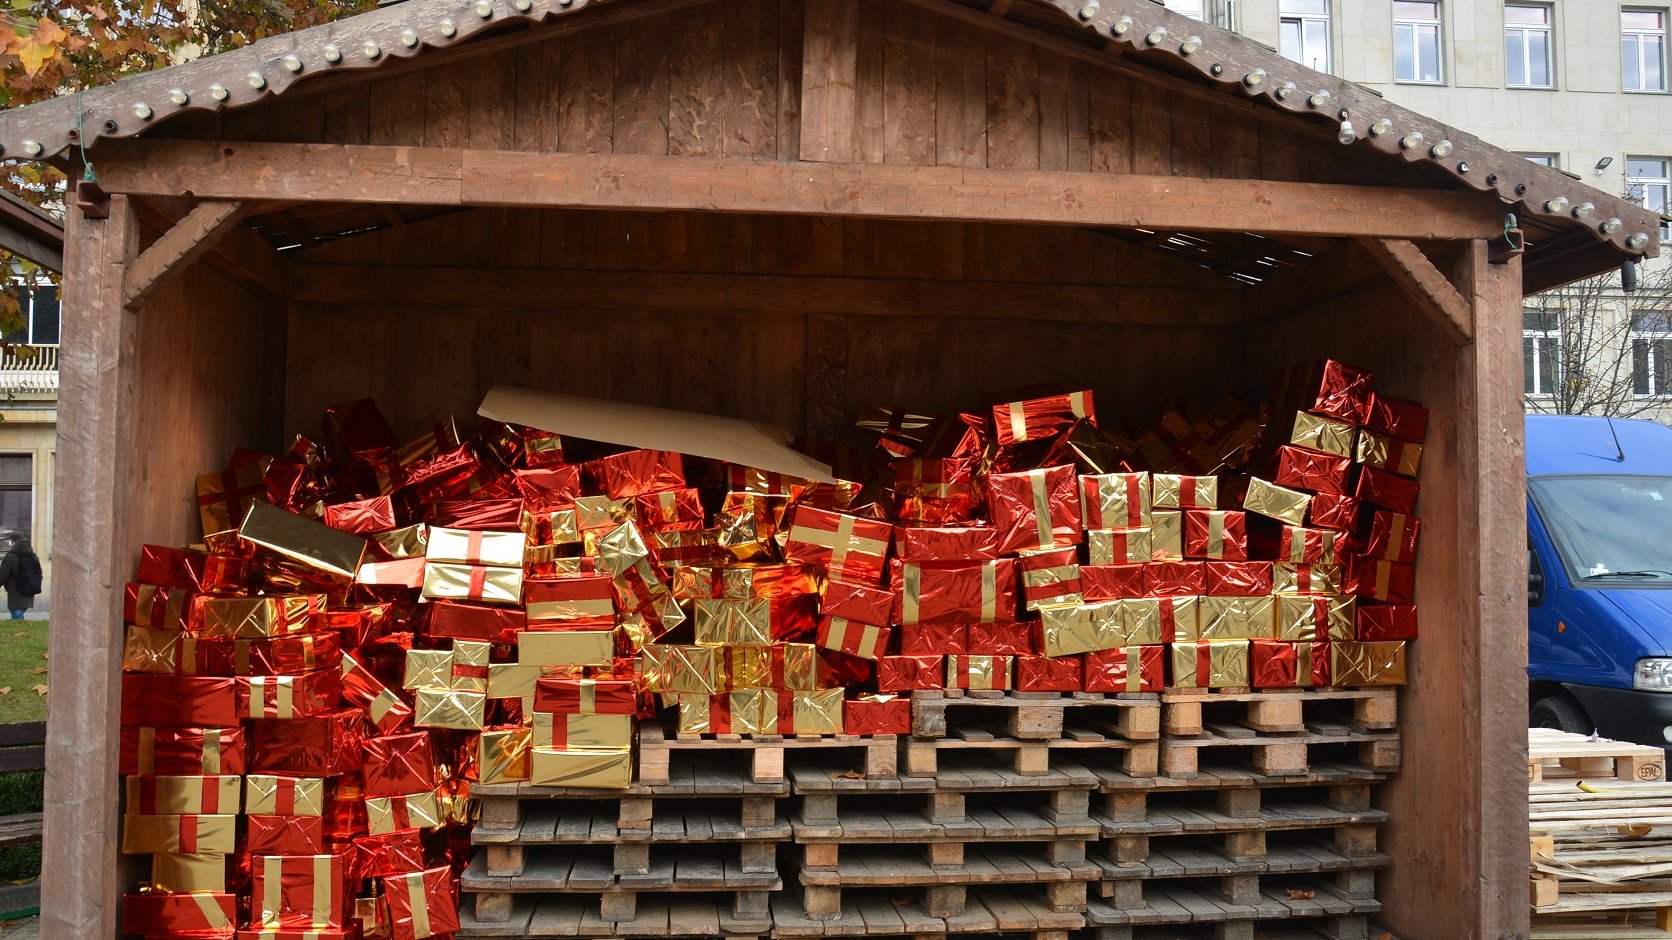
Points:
(1147, 35)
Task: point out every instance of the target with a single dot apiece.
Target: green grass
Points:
(22, 648)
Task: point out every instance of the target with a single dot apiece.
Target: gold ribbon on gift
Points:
(1041, 507)
(324, 891)
(840, 542)
(912, 578)
(1303, 664)
(989, 591)
(417, 903)
(272, 891)
(1216, 535)
(209, 908)
(1134, 669)
(1397, 522)
(284, 696)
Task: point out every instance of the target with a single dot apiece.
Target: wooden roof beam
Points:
(1422, 281)
(236, 252)
(453, 177)
(186, 241)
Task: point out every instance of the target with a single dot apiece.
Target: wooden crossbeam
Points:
(180, 246)
(238, 253)
(1427, 287)
(440, 176)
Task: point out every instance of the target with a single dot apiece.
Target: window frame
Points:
(1664, 181)
(1639, 32)
(1551, 160)
(1301, 20)
(1526, 31)
(1203, 18)
(1658, 343)
(27, 295)
(29, 488)
(1537, 336)
(1439, 26)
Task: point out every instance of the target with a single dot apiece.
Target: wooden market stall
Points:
(777, 209)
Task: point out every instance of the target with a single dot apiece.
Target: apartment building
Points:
(1581, 85)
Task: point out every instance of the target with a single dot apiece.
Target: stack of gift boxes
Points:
(368, 627)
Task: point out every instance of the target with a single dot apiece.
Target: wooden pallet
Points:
(1344, 918)
(974, 747)
(1190, 711)
(662, 754)
(1240, 880)
(1058, 796)
(1277, 753)
(942, 844)
(1039, 717)
(1558, 755)
(568, 916)
(503, 806)
(998, 911)
(1603, 846)
(1238, 827)
(944, 891)
(565, 870)
(696, 823)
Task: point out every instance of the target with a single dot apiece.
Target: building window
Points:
(1643, 49)
(1651, 353)
(1305, 31)
(1541, 350)
(1527, 45)
(1190, 8)
(1416, 41)
(1648, 184)
(40, 316)
(1542, 159)
(17, 493)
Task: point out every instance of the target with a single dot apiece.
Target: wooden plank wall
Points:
(726, 79)
(742, 353)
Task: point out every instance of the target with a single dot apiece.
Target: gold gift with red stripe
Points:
(273, 795)
(177, 795)
(180, 833)
(578, 732)
(386, 814)
(464, 667)
(1302, 617)
(1209, 664)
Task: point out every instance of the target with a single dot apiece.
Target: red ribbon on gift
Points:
(188, 834)
(1204, 665)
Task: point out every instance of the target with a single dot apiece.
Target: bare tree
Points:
(1592, 349)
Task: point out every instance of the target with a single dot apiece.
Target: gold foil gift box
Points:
(1071, 629)
(734, 622)
(1175, 491)
(698, 670)
(502, 754)
(189, 872)
(272, 795)
(449, 708)
(321, 549)
(1166, 535)
(1120, 546)
(155, 651)
(464, 667)
(1290, 578)
(1388, 453)
(575, 732)
(1235, 618)
(386, 814)
(1276, 502)
(180, 833)
(488, 584)
(1303, 618)
(1209, 664)
(257, 617)
(477, 547)
(1325, 434)
(170, 795)
(611, 770)
(1367, 664)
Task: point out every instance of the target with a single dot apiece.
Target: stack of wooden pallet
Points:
(1007, 814)
(1600, 817)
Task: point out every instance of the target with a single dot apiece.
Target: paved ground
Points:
(22, 929)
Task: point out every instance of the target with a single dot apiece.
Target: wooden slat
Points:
(1427, 287)
(641, 87)
(750, 79)
(20, 759)
(334, 173)
(239, 253)
(1012, 104)
(909, 78)
(20, 829)
(960, 94)
(829, 72)
(28, 732)
(586, 92)
(180, 246)
(697, 110)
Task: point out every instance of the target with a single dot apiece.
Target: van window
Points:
(1609, 530)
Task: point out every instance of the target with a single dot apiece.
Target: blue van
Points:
(1599, 582)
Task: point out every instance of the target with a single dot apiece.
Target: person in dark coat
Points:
(20, 575)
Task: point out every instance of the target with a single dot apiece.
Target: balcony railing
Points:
(29, 371)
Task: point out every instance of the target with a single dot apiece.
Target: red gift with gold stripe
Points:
(1125, 669)
(1275, 664)
(848, 547)
(1216, 535)
(151, 605)
(385, 709)
(303, 696)
(956, 591)
(1325, 387)
(563, 696)
(1039, 416)
(1035, 509)
(421, 904)
(1399, 417)
(1385, 581)
(201, 701)
(866, 641)
(181, 751)
(293, 654)
(1049, 674)
(861, 603)
(1111, 582)
(201, 914)
(569, 603)
(299, 891)
(669, 509)
(1393, 537)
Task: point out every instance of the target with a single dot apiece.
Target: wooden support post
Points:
(97, 366)
(177, 249)
(1422, 281)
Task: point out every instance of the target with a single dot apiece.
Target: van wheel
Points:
(1561, 713)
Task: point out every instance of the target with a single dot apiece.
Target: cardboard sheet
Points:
(752, 444)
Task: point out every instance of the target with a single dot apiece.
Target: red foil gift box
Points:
(548, 488)
(178, 568)
(284, 835)
(367, 516)
(569, 603)
(946, 543)
(1301, 546)
(999, 639)
(1049, 674)
(281, 655)
(482, 515)
(624, 476)
(912, 672)
(1035, 508)
(1049, 576)
(151, 605)
(1040, 415)
(1276, 664)
(1386, 622)
(188, 752)
(923, 639)
(1378, 487)
(861, 603)
(989, 673)
(866, 641)
(318, 746)
(1220, 535)
(421, 904)
(1313, 470)
(1236, 578)
(669, 509)
(1115, 501)
(1112, 582)
(876, 714)
(1393, 537)
(398, 764)
(201, 701)
(299, 891)
(1399, 417)
(849, 547)
(392, 853)
(1127, 669)
(1325, 387)
(164, 914)
(1337, 513)
(951, 591)
(562, 695)
(303, 696)
(456, 620)
(1175, 578)
(1381, 580)
(224, 497)
(385, 709)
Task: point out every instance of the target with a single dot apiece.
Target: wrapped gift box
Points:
(1386, 490)
(911, 672)
(1049, 674)
(180, 833)
(1380, 622)
(1119, 546)
(1111, 582)
(991, 673)
(855, 639)
(1388, 453)
(1177, 491)
(1302, 546)
(150, 795)
(1035, 508)
(1367, 664)
(877, 714)
(1126, 669)
(1237, 578)
(1115, 501)
(398, 764)
(1288, 578)
(1312, 470)
(181, 751)
(848, 547)
(1215, 535)
(610, 770)
(1210, 664)
(421, 904)
(1049, 576)
(562, 695)
(1036, 418)
(960, 592)
(1303, 617)
(275, 795)
(1393, 537)
(1236, 618)
(578, 732)
(1276, 664)
(569, 603)
(1319, 433)
(999, 639)
(859, 603)
(1286, 505)
(206, 914)
(305, 892)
